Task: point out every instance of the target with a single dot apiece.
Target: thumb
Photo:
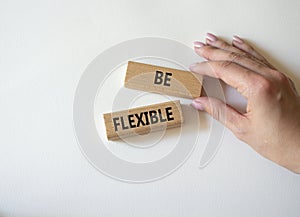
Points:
(222, 112)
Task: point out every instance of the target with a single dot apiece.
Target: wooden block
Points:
(163, 80)
(143, 120)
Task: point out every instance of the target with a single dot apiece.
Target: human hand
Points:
(271, 123)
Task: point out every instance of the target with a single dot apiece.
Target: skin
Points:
(271, 123)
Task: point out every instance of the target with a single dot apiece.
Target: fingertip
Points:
(237, 39)
(197, 105)
(211, 37)
(198, 44)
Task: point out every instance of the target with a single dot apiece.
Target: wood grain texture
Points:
(163, 80)
(143, 120)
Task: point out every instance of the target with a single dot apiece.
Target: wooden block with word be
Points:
(163, 80)
(143, 120)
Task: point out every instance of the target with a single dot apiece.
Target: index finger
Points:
(235, 75)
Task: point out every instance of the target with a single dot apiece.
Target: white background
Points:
(45, 47)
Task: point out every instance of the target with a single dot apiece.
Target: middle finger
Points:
(212, 53)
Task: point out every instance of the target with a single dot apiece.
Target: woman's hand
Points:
(271, 124)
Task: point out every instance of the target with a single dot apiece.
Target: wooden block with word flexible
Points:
(143, 120)
(163, 80)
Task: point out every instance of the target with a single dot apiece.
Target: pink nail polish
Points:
(198, 44)
(237, 39)
(197, 105)
(198, 100)
(208, 41)
(211, 37)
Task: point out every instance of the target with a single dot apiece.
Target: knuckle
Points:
(216, 113)
(238, 126)
(233, 56)
(216, 110)
(264, 86)
(259, 66)
(207, 52)
(224, 45)
(257, 59)
(281, 78)
(240, 132)
(225, 64)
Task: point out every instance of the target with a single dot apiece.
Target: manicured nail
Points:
(197, 105)
(237, 39)
(208, 41)
(198, 44)
(211, 37)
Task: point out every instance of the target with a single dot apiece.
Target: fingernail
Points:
(211, 37)
(237, 39)
(208, 41)
(198, 44)
(197, 105)
(191, 67)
